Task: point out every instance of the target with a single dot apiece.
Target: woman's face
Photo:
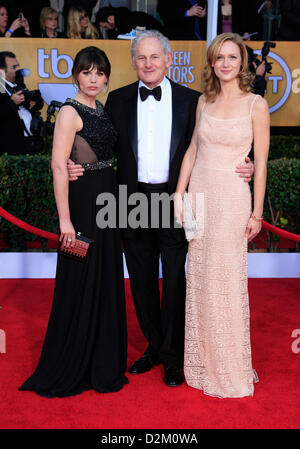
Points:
(83, 20)
(51, 22)
(91, 82)
(228, 62)
(3, 17)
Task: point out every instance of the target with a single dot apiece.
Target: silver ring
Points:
(69, 239)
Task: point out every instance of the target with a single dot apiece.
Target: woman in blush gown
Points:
(86, 341)
(217, 356)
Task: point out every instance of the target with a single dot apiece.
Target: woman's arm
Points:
(187, 166)
(67, 124)
(261, 132)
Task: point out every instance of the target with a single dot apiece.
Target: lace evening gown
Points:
(217, 356)
(86, 341)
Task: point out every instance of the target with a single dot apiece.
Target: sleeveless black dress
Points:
(85, 345)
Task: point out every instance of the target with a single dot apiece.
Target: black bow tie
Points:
(156, 92)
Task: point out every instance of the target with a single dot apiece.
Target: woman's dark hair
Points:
(89, 58)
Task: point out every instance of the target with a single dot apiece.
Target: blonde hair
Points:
(45, 13)
(212, 86)
(74, 28)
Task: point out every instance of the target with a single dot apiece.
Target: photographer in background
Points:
(11, 130)
(260, 67)
(19, 119)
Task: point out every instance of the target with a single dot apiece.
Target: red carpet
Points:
(146, 402)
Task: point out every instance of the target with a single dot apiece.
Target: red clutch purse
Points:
(79, 251)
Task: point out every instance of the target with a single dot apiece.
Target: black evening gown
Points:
(85, 345)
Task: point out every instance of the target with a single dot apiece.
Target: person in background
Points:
(49, 23)
(290, 25)
(18, 28)
(58, 6)
(116, 21)
(21, 108)
(183, 19)
(87, 5)
(112, 3)
(79, 25)
(240, 17)
(11, 128)
(31, 10)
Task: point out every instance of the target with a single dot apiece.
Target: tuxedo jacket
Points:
(11, 130)
(121, 106)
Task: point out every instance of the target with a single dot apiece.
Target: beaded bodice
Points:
(96, 140)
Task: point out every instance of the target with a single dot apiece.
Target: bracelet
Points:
(256, 218)
(9, 31)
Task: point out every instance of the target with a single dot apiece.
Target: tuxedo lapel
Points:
(132, 120)
(179, 104)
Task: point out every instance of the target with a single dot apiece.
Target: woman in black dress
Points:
(86, 341)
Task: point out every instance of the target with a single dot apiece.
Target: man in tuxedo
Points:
(11, 129)
(155, 119)
(15, 111)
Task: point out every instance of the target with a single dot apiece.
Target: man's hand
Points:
(246, 170)
(18, 97)
(32, 103)
(261, 69)
(197, 11)
(74, 170)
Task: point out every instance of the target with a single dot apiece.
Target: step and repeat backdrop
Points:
(50, 62)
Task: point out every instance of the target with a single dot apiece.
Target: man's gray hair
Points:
(151, 33)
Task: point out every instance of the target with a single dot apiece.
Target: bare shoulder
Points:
(201, 102)
(68, 117)
(67, 111)
(260, 106)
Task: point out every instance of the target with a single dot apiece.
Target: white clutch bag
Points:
(190, 224)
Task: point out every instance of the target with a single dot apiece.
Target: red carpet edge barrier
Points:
(55, 237)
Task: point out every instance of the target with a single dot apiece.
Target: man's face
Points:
(12, 66)
(109, 25)
(150, 61)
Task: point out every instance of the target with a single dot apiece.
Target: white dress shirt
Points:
(154, 135)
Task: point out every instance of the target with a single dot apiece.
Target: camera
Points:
(264, 53)
(30, 95)
(48, 125)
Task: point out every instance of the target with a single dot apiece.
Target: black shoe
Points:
(144, 364)
(173, 376)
